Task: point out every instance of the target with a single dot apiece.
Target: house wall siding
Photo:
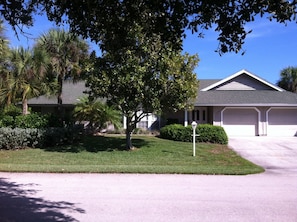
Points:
(243, 82)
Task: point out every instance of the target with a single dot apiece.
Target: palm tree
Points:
(98, 114)
(288, 80)
(26, 79)
(4, 62)
(67, 52)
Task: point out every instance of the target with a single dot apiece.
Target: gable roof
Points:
(242, 72)
(215, 92)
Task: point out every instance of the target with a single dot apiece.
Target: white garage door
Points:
(282, 122)
(240, 122)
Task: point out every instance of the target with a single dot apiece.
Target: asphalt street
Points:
(147, 197)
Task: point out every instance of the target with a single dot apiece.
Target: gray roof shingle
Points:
(71, 92)
(243, 97)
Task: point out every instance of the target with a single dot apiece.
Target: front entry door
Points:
(199, 115)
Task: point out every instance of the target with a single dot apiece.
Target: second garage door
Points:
(282, 122)
(240, 121)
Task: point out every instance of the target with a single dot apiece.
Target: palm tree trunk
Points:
(60, 90)
(25, 106)
(61, 112)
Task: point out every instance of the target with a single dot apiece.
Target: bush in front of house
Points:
(19, 138)
(32, 120)
(176, 132)
(205, 133)
(211, 134)
(58, 136)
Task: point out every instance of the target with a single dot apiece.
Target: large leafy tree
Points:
(288, 79)
(95, 19)
(67, 52)
(143, 76)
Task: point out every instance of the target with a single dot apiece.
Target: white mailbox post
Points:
(194, 125)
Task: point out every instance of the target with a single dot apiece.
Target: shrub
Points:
(32, 120)
(205, 133)
(21, 138)
(212, 134)
(176, 132)
(12, 110)
(57, 136)
(7, 121)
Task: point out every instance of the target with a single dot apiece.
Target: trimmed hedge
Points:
(205, 133)
(18, 138)
(176, 132)
(32, 120)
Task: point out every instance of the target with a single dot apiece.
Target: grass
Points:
(106, 154)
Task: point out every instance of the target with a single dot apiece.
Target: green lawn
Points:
(105, 154)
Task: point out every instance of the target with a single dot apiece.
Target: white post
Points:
(186, 118)
(194, 125)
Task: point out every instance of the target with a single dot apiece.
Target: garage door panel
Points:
(282, 122)
(240, 122)
(282, 117)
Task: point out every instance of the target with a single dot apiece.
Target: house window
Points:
(197, 115)
(203, 115)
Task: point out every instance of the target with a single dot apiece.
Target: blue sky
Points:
(270, 48)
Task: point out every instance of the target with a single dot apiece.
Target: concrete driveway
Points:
(275, 154)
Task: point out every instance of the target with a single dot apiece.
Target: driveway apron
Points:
(275, 154)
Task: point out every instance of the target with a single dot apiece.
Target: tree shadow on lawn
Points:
(99, 144)
(17, 204)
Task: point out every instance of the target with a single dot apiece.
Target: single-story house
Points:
(245, 105)
(70, 96)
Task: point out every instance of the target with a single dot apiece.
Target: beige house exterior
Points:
(245, 105)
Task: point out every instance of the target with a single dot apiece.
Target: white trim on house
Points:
(238, 74)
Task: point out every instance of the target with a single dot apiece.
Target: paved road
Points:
(275, 154)
(146, 198)
(267, 197)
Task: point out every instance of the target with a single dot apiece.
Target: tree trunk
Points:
(61, 113)
(129, 145)
(60, 90)
(129, 129)
(25, 106)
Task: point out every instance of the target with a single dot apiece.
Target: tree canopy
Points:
(99, 20)
(143, 76)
